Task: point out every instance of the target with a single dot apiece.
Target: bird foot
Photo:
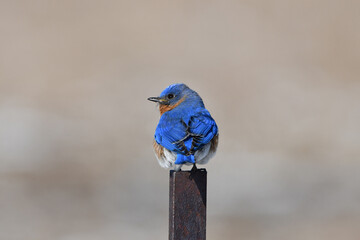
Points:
(194, 168)
(177, 167)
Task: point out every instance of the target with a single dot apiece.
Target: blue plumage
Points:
(186, 129)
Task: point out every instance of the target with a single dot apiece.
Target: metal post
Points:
(187, 208)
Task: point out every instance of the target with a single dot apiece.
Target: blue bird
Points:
(186, 133)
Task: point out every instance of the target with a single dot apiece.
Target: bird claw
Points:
(177, 167)
(194, 168)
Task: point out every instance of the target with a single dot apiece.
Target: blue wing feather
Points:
(194, 130)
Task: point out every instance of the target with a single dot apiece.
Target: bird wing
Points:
(186, 134)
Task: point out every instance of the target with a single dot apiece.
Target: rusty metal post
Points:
(187, 208)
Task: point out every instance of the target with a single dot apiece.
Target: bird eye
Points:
(170, 96)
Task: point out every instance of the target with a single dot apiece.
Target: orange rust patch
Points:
(214, 143)
(159, 150)
(164, 108)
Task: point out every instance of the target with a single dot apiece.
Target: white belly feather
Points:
(167, 158)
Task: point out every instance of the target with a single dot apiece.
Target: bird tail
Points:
(181, 159)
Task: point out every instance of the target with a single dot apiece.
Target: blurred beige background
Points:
(281, 78)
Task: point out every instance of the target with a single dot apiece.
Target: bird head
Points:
(176, 95)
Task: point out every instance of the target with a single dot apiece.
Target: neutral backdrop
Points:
(281, 78)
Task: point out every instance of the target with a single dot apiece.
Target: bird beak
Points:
(154, 99)
(158, 100)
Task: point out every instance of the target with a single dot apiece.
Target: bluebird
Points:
(186, 132)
